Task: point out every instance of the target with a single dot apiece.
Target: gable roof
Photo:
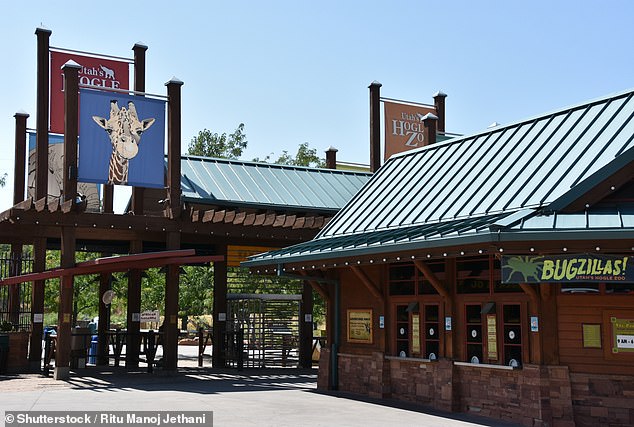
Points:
(498, 176)
(238, 183)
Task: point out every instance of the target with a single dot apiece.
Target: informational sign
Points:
(106, 73)
(415, 333)
(583, 268)
(404, 129)
(122, 139)
(55, 175)
(236, 254)
(492, 337)
(622, 335)
(150, 316)
(360, 326)
(448, 323)
(591, 335)
(534, 324)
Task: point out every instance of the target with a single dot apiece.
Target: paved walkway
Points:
(270, 397)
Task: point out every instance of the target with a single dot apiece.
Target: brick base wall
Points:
(603, 399)
(17, 360)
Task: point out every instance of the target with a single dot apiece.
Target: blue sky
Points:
(296, 71)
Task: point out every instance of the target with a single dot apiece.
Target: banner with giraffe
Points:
(122, 139)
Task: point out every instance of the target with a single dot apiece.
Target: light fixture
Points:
(597, 248)
(501, 250)
(565, 249)
(461, 252)
(428, 255)
(444, 254)
(480, 251)
(532, 249)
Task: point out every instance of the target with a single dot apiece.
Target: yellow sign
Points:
(237, 254)
(591, 336)
(492, 337)
(623, 335)
(360, 326)
(415, 333)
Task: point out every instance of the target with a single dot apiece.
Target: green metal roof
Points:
(496, 177)
(262, 185)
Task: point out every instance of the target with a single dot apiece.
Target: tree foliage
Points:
(211, 144)
(305, 156)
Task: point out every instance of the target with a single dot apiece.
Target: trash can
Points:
(92, 354)
(4, 353)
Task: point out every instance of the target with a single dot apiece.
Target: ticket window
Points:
(431, 330)
(512, 326)
(402, 331)
(474, 333)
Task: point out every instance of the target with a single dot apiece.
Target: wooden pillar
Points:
(133, 343)
(71, 129)
(170, 325)
(64, 326)
(139, 86)
(375, 126)
(37, 303)
(42, 113)
(220, 309)
(71, 111)
(549, 324)
(19, 175)
(105, 284)
(174, 146)
(306, 327)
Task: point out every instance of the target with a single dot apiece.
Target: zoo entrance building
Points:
(489, 274)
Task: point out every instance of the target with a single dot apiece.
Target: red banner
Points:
(404, 126)
(107, 73)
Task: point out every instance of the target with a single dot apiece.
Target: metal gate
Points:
(15, 300)
(263, 330)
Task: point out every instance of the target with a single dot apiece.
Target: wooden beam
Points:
(208, 216)
(532, 293)
(259, 219)
(230, 216)
(431, 277)
(270, 220)
(289, 221)
(299, 222)
(24, 205)
(321, 289)
(249, 220)
(219, 216)
(53, 206)
(40, 204)
(374, 290)
(240, 217)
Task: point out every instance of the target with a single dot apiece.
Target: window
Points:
(402, 279)
(473, 276)
(431, 343)
(473, 319)
(402, 331)
(512, 326)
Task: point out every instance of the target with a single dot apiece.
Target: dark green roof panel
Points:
(264, 185)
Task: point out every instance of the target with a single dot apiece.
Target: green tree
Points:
(305, 156)
(211, 144)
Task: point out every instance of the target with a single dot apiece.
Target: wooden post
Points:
(174, 146)
(220, 309)
(71, 129)
(375, 126)
(306, 327)
(170, 325)
(105, 284)
(71, 111)
(133, 343)
(64, 325)
(20, 157)
(37, 303)
(42, 113)
(139, 86)
(15, 257)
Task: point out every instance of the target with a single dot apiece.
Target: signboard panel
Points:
(622, 335)
(404, 126)
(583, 268)
(360, 326)
(123, 139)
(236, 254)
(106, 73)
(55, 176)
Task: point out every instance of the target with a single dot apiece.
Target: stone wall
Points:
(603, 399)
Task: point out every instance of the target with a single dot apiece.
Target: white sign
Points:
(308, 317)
(38, 317)
(136, 317)
(625, 341)
(150, 316)
(222, 317)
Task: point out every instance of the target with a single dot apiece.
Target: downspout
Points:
(334, 348)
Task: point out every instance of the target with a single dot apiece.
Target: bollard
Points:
(240, 348)
(150, 351)
(201, 347)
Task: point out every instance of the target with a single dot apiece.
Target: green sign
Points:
(583, 268)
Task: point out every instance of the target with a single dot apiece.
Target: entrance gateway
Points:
(238, 204)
